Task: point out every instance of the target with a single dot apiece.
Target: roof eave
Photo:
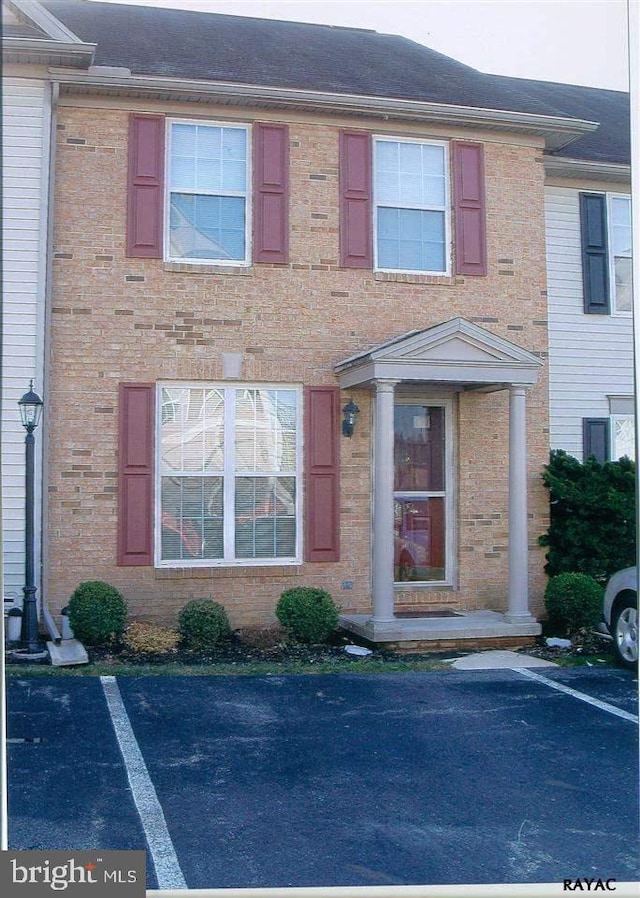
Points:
(557, 131)
(584, 168)
(47, 52)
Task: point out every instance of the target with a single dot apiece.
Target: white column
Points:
(518, 605)
(383, 504)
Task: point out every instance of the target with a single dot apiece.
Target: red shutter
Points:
(322, 452)
(355, 200)
(270, 193)
(135, 474)
(145, 187)
(469, 208)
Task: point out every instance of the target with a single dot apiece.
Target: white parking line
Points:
(605, 706)
(165, 860)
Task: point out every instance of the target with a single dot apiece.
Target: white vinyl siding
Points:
(25, 143)
(590, 356)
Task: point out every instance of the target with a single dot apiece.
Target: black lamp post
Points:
(30, 647)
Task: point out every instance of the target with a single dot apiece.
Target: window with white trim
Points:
(411, 215)
(623, 437)
(620, 251)
(228, 475)
(208, 193)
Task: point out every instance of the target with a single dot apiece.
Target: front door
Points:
(420, 492)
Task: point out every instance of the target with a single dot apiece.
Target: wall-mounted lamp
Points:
(351, 412)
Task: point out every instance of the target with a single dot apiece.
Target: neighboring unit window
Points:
(605, 232)
(595, 439)
(410, 206)
(620, 251)
(228, 475)
(623, 438)
(208, 193)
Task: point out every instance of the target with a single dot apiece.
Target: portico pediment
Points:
(454, 352)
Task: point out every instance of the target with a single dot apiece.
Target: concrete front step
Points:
(474, 629)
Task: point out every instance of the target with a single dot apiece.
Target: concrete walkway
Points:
(496, 659)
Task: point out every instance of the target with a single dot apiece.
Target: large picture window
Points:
(208, 193)
(410, 192)
(228, 475)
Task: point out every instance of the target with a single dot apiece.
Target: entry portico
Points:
(455, 356)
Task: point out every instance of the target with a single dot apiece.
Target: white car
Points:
(620, 615)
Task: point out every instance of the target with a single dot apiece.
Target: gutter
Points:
(46, 357)
(557, 130)
(74, 53)
(581, 168)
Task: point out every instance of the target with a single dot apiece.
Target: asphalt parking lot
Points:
(441, 777)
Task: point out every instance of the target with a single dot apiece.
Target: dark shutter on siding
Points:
(135, 474)
(356, 249)
(270, 193)
(595, 438)
(595, 253)
(322, 452)
(469, 208)
(145, 187)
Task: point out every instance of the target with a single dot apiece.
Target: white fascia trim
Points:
(50, 47)
(559, 130)
(578, 168)
(45, 20)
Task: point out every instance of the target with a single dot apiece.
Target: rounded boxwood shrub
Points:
(573, 602)
(309, 613)
(203, 623)
(97, 612)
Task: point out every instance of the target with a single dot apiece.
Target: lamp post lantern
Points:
(30, 647)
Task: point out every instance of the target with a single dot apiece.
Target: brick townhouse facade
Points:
(232, 267)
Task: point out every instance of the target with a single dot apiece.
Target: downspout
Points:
(46, 351)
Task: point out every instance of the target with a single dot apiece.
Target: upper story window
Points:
(605, 231)
(620, 251)
(410, 206)
(207, 193)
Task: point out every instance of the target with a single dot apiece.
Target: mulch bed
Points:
(274, 646)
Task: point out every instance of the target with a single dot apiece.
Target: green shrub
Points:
(97, 612)
(203, 623)
(573, 602)
(145, 638)
(309, 613)
(592, 527)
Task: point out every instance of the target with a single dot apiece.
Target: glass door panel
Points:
(419, 494)
(419, 539)
(419, 448)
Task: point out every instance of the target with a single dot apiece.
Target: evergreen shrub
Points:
(97, 612)
(573, 602)
(592, 528)
(203, 624)
(309, 613)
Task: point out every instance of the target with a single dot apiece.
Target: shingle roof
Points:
(611, 142)
(207, 46)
